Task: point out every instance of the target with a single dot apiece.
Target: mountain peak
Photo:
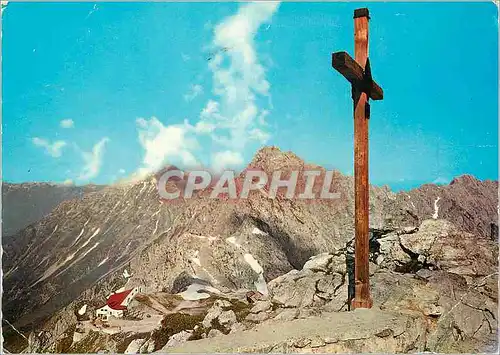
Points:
(272, 158)
(465, 179)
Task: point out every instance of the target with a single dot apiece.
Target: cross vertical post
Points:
(358, 72)
(362, 297)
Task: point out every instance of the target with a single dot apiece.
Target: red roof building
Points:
(117, 300)
(117, 303)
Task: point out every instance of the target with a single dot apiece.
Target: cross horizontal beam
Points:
(355, 74)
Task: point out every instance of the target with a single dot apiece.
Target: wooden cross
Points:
(358, 73)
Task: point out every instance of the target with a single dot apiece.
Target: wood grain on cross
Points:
(358, 73)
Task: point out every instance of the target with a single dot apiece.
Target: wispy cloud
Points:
(67, 123)
(185, 57)
(93, 160)
(52, 149)
(164, 144)
(194, 91)
(234, 116)
(234, 112)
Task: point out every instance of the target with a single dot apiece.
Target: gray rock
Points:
(214, 333)
(318, 262)
(258, 317)
(227, 318)
(147, 347)
(287, 314)
(338, 264)
(391, 251)
(373, 268)
(429, 232)
(438, 242)
(238, 327)
(261, 306)
(424, 274)
(213, 313)
(328, 284)
(177, 339)
(380, 259)
(222, 303)
(134, 346)
(338, 302)
(299, 293)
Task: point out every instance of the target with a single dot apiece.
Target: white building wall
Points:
(106, 311)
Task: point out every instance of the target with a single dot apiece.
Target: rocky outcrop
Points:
(438, 245)
(361, 331)
(322, 281)
(434, 305)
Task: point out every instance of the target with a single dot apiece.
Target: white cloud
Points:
(164, 145)
(185, 57)
(210, 109)
(259, 135)
(204, 127)
(68, 123)
(232, 117)
(54, 149)
(93, 160)
(235, 114)
(194, 91)
(227, 159)
(121, 171)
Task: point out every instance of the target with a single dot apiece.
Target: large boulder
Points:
(321, 281)
(437, 244)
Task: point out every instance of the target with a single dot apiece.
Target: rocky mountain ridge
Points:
(448, 303)
(78, 253)
(35, 200)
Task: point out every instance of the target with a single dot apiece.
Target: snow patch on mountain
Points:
(88, 240)
(254, 264)
(88, 251)
(257, 231)
(102, 262)
(82, 310)
(192, 293)
(436, 208)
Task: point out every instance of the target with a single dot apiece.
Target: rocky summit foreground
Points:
(258, 275)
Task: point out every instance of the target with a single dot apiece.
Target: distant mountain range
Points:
(26, 203)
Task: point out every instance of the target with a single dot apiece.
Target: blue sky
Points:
(99, 92)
